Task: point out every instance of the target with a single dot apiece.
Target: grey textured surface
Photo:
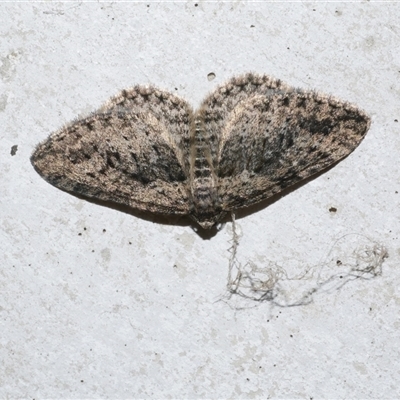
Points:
(99, 303)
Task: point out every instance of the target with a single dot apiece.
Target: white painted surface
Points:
(96, 303)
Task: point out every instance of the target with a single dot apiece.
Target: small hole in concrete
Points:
(211, 76)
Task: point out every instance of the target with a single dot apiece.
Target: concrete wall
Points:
(98, 303)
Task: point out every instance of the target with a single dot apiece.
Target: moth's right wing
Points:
(130, 151)
(217, 107)
(271, 136)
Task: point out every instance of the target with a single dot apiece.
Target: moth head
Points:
(208, 221)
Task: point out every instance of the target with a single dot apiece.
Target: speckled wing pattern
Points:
(131, 151)
(251, 138)
(271, 136)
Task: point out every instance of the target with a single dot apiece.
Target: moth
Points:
(251, 138)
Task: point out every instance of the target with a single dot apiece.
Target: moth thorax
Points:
(206, 208)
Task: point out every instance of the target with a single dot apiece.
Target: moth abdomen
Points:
(205, 203)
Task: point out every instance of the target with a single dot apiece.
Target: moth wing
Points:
(269, 141)
(216, 108)
(130, 151)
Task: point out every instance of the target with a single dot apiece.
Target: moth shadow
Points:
(170, 220)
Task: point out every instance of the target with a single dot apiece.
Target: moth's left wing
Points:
(131, 152)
